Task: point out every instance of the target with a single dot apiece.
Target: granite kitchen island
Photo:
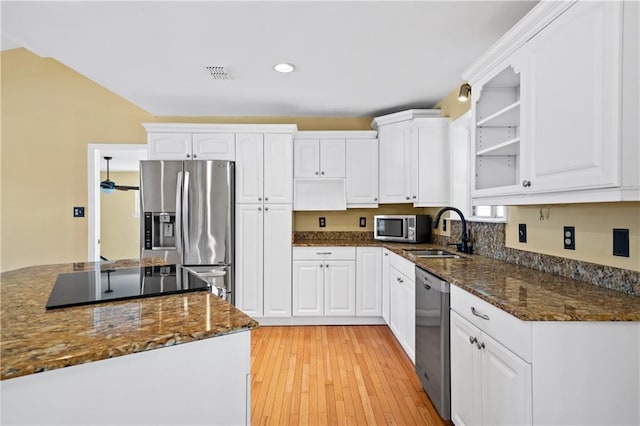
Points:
(175, 359)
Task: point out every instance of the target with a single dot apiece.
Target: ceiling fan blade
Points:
(127, 188)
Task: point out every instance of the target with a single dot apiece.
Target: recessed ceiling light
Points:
(283, 67)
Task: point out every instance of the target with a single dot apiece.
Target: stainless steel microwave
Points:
(405, 228)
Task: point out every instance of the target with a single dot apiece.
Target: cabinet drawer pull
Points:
(472, 340)
(478, 314)
(480, 345)
(321, 253)
(526, 183)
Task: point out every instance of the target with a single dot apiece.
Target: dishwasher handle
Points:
(431, 282)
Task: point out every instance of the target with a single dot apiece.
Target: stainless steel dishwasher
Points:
(432, 340)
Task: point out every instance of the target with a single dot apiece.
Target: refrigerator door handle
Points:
(178, 225)
(185, 211)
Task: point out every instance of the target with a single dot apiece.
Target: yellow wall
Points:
(49, 115)
(119, 219)
(594, 225)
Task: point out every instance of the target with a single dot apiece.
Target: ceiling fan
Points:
(107, 186)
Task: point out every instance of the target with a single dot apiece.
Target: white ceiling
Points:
(353, 58)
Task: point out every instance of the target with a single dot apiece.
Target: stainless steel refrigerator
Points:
(187, 210)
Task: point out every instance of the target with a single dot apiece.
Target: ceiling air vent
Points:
(218, 72)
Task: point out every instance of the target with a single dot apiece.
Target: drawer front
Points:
(324, 253)
(511, 332)
(403, 265)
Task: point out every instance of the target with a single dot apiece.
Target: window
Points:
(489, 212)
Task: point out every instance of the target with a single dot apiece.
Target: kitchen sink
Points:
(433, 253)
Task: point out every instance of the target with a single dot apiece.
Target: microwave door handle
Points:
(405, 228)
(178, 223)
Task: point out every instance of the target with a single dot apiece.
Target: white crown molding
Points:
(533, 22)
(337, 134)
(219, 128)
(407, 115)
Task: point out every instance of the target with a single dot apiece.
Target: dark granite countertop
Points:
(525, 293)
(35, 340)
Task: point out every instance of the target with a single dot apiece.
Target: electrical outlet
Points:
(78, 212)
(522, 232)
(363, 222)
(444, 225)
(322, 222)
(621, 242)
(569, 237)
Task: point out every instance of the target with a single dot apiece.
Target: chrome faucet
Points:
(464, 246)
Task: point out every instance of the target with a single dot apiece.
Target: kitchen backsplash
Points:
(488, 240)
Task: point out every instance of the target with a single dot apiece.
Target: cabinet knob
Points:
(188, 156)
(259, 198)
(322, 173)
(375, 199)
(259, 209)
(480, 345)
(266, 209)
(408, 198)
(266, 198)
(194, 156)
(526, 183)
(316, 173)
(386, 254)
(414, 197)
(472, 340)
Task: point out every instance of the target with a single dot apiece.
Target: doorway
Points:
(121, 232)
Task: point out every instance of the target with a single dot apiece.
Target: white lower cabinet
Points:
(505, 371)
(369, 281)
(263, 259)
(324, 281)
(490, 385)
(402, 302)
(386, 257)
(308, 293)
(340, 288)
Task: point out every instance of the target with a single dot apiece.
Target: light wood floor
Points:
(334, 375)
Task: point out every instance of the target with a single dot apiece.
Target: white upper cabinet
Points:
(414, 158)
(191, 146)
(430, 165)
(395, 157)
(362, 172)
(497, 167)
(553, 122)
(213, 146)
(278, 168)
(575, 137)
(169, 146)
(319, 157)
(332, 158)
(334, 170)
(249, 168)
(264, 168)
(306, 158)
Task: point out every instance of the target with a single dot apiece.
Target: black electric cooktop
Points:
(83, 288)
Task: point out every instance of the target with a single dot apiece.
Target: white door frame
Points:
(95, 153)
